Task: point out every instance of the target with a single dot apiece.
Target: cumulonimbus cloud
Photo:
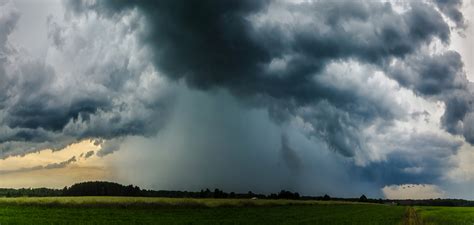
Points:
(276, 49)
(112, 67)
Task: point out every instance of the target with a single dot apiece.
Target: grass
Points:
(446, 215)
(124, 202)
(140, 210)
(412, 217)
(125, 210)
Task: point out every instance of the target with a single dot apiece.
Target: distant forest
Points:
(103, 188)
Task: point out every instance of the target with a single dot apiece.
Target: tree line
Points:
(103, 188)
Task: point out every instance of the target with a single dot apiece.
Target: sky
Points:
(320, 97)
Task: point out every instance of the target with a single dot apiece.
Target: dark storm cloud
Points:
(8, 21)
(109, 147)
(289, 155)
(451, 9)
(60, 164)
(89, 154)
(215, 43)
(442, 77)
(212, 141)
(237, 45)
(458, 105)
(30, 97)
(431, 74)
(279, 56)
(44, 105)
(234, 44)
(339, 129)
(419, 159)
(211, 39)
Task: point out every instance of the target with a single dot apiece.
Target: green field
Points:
(140, 210)
(117, 210)
(446, 215)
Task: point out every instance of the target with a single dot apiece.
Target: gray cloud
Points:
(458, 105)
(289, 155)
(451, 9)
(442, 77)
(245, 48)
(8, 21)
(211, 141)
(313, 62)
(184, 49)
(71, 96)
(58, 165)
(417, 159)
(109, 146)
(431, 74)
(89, 154)
(242, 32)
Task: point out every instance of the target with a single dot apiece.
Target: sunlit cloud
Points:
(77, 162)
(413, 191)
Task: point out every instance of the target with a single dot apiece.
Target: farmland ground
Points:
(446, 215)
(115, 210)
(136, 210)
(412, 217)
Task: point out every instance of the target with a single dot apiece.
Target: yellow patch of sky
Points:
(16, 171)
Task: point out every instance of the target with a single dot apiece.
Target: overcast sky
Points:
(321, 97)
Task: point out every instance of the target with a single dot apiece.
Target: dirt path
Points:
(412, 218)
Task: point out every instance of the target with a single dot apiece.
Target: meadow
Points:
(446, 215)
(149, 210)
(131, 210)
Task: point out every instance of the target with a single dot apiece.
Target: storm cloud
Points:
(277, 50)
(346, 76)
(77, 93)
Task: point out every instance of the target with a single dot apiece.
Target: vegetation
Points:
(102, 188)
(112, 203)
(435, 202)
(152, 202)
(37, 192)
(140, 210)
(153, 210)
(446, 215)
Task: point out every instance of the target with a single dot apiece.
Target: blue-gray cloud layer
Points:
(216, 44)
(273, 55)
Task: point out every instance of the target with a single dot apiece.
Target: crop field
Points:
(142, 210)
(129, 210)
(446, 215)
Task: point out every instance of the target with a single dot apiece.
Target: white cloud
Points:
(464, 170)
(413, 191)
(95, 80)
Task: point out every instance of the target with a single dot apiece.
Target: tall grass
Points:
(100, 201)
(446, 215)
(126, 210)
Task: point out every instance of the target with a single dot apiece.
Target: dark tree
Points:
(326, 198)
(363, 198)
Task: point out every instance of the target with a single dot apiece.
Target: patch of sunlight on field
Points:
(446, 215)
